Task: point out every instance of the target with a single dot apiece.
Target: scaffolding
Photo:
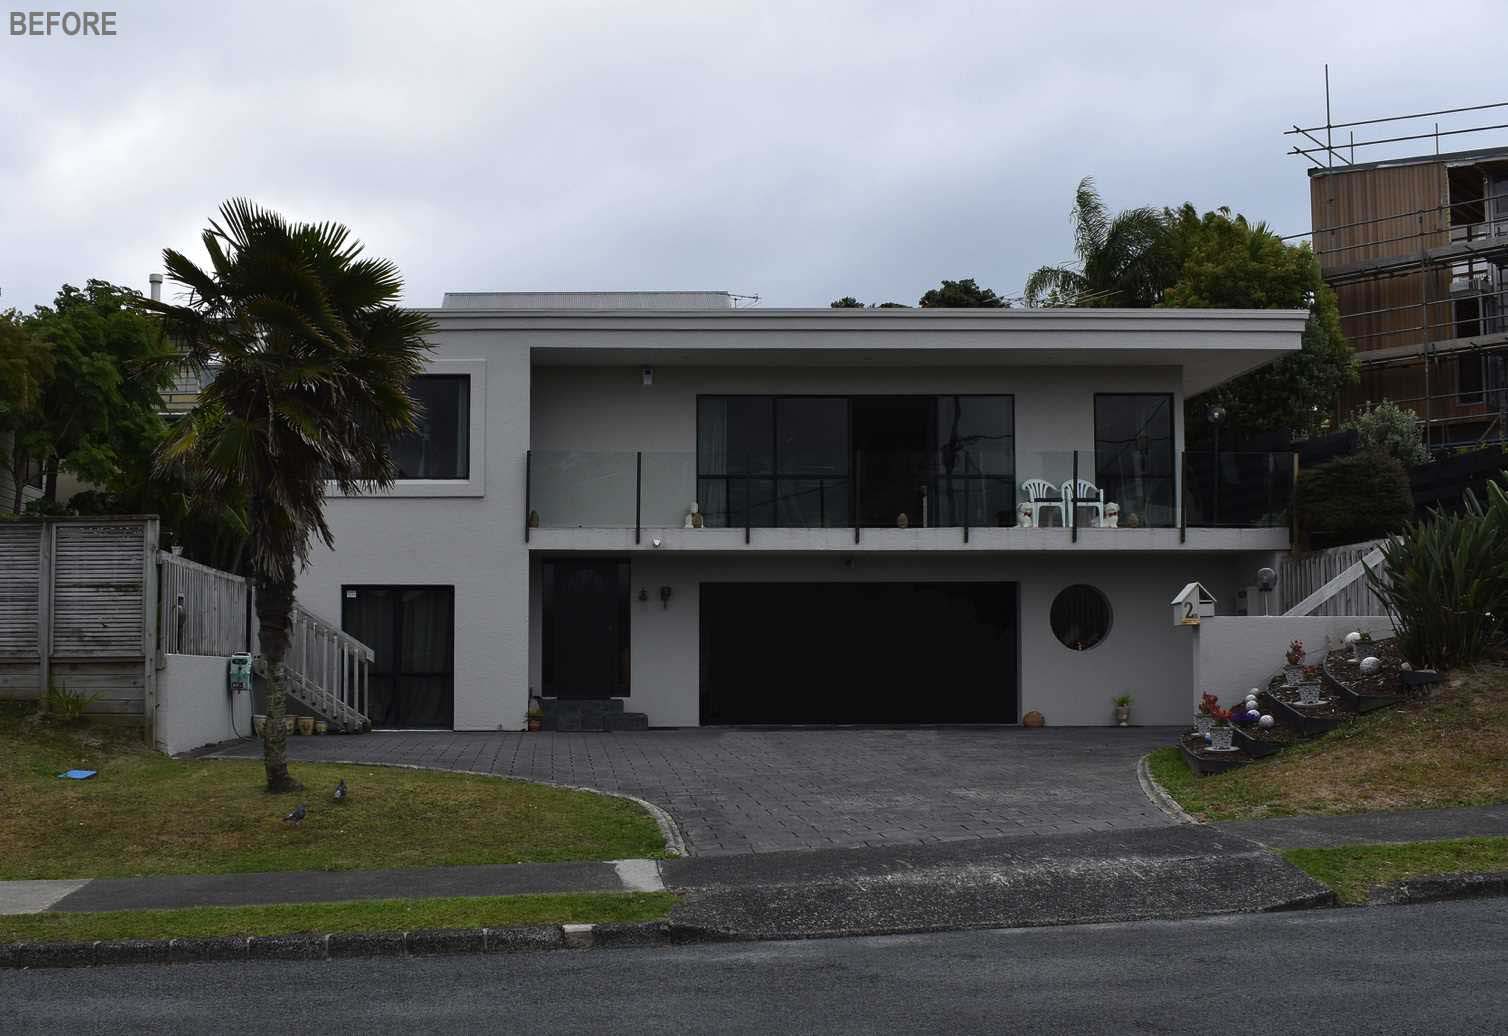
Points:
(1416, 249)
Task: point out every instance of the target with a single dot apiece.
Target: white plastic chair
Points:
(1088, 496)
(1039, 493)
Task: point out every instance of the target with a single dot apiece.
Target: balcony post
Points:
(748, 504)
(1073, 501)
(858, 489)
(966, 481)
(528, 488)
(1180, 490)
(822, 502)
(638, 495)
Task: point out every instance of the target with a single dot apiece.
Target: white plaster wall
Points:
(193, 707)
(473, 543)
(1144, 654)
(1235, 653)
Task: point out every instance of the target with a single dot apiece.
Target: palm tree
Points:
(313, 359)
(1123, 260)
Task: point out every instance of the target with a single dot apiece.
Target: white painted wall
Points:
(472, 541)
(193, 707)
(1235, 653)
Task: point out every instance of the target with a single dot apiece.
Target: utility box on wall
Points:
(238, 677)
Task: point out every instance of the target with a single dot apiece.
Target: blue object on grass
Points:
(78, 775)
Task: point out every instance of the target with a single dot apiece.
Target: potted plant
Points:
(536, 716)
(321, 727)
(1294, 668)
(259, 724)
(289, 723)
(306, 725)
(1309, 686)
(1220, 731)
(1122, 703)
(1204, 720)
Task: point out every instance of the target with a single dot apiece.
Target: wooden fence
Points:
(204, 611)
(1300, 577)
(78, 610)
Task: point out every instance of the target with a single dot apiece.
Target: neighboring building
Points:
(538, 539)
(1417, 252)
(31, 484)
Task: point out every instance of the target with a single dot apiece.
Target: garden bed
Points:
(1203, 761)
(1259, 743)
(1308, 720)
(1367, 692)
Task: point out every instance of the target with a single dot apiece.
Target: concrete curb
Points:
(675, 843)
(1434, 888)
(1158, 795)
(334, 945)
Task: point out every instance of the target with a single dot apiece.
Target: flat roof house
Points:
(720, 515)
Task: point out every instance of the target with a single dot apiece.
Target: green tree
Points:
(1224, 261)
(101, 403)
(964, 294)
(846, 302)
(314, 358)
(1391, 429)
(1123, 260)
(26, 365)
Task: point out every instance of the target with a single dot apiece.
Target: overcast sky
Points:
(798, 152)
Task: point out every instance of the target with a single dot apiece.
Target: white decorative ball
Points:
(1267, 722)
(1253, 692)
(1209, 739)
(1352, 638)
(1371, 664)
(1406, 668)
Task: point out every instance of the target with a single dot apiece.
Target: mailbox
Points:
(239, 678)
(1192, 602)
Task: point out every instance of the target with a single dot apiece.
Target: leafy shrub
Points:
(64, 706)
(1389, 428)
(1361, 497)
(1444, 582)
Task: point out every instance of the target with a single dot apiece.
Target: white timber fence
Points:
(1336, 570)
(204, 611)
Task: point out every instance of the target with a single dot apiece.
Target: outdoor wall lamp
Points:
(665, 596)
(643, 595)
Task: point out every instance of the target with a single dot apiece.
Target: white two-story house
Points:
(719, 515)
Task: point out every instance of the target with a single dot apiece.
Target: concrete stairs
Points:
(596, 714)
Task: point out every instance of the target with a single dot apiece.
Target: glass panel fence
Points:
(1237, 490)
(578, 489)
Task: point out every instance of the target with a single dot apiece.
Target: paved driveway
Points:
(735, 791)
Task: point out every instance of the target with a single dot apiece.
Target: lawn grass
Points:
(1351, 870)
(1445, 752)
(384, 915)
(148, 814)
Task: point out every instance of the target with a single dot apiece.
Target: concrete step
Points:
(626, 721)
(571, 714)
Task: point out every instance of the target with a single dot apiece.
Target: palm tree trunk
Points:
(50, 480)
(274, 603)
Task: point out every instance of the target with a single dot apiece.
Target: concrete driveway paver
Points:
(737, 790)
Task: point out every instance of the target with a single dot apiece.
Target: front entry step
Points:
(569, 714)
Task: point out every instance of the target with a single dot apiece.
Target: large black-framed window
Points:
(1134, 456)
(411, 631)
(975, 461)
(773, 461)
(440, 448)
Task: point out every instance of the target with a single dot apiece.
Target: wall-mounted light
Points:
(648, 374)
(665, 596)
(643, 595)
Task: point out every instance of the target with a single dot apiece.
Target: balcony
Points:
(913, 501)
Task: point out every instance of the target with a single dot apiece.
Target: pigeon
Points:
(297, 816)
(340, 791)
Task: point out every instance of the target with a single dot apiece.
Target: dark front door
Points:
(585, 634)
(889, 653)
(411, 630)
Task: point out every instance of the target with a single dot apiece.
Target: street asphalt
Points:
(1419, 969)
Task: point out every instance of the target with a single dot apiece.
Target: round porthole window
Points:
(1080, 617)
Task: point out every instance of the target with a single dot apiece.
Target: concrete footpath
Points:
(1416, 825)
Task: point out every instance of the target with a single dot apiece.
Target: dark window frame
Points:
(775, 476)
(1174, 502)
(1103, 598)
(464, 420)
(448, 588)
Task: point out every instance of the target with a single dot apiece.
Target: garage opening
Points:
(873, 653)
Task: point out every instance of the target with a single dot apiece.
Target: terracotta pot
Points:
(534, 724)
(1032, 720)
(289, 723)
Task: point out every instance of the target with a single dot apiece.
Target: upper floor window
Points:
(1133, 456)
(440, 447)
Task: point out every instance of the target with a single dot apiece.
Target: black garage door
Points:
(858, 653)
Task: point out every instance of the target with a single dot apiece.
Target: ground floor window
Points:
(1080, 617)
(411, 631)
